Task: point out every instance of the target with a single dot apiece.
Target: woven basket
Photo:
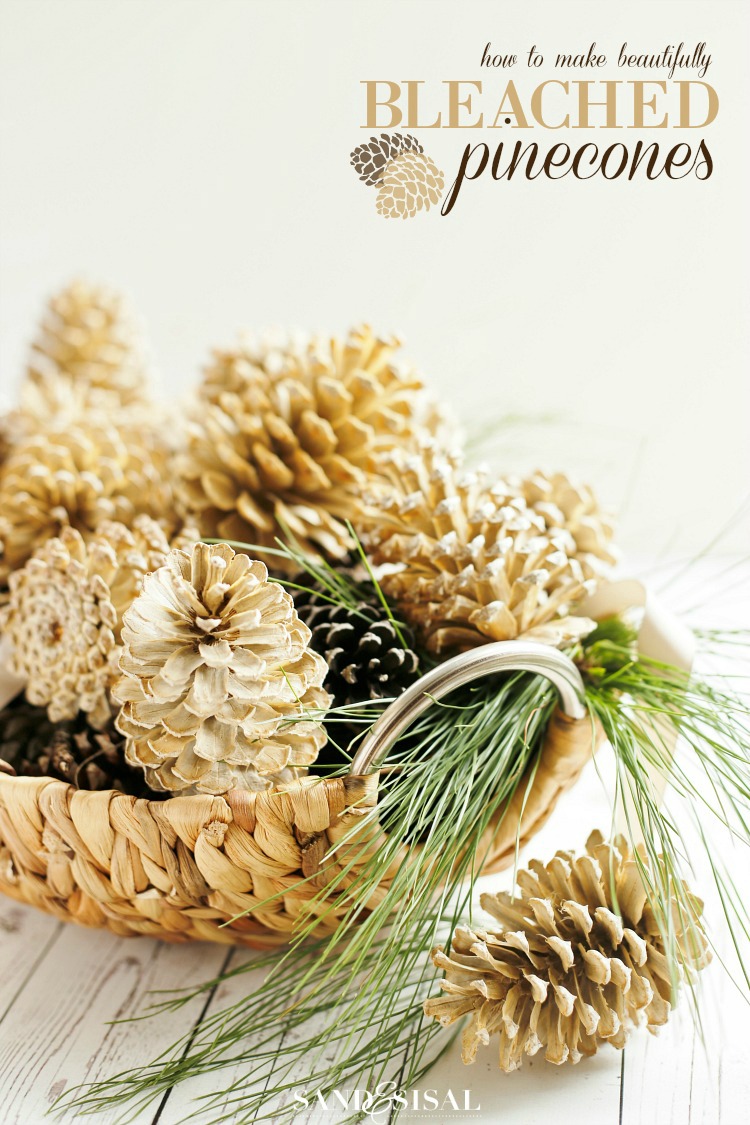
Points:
(181, 869)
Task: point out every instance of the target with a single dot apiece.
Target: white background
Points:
(195, 154)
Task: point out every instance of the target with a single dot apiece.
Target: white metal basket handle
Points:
(500, 656)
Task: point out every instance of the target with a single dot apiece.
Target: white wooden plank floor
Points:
(61, 987)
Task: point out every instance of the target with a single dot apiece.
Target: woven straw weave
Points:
(178, 869)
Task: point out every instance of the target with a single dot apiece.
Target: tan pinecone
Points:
(474, 561)
(370, 159)
(185, 537)
(89, 347)
(16, 425)
(64, 614)
(78, 476)
(574, 509)
(570, 967)
(273, 353)
(410, 183)
(293, 444)
(220, 689)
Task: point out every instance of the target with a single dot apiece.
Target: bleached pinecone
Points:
(65, 610)
(69, 751)
(289, 449)
(219, 688)
(476, 561)
(577, 961)
(370, 159)
(272, 351)
(89, 345)
(409, 183)
(185, 537)
(15, 427)
(78, 476)
(272, 348)
(574, 509)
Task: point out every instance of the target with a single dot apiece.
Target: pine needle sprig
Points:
(246, 1037)
(665, 725)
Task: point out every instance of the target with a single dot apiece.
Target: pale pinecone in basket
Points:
(289, 450)
(370, 159)
(33, 746)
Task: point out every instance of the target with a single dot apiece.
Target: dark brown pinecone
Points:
(367, 661)
(369, 159)
(25, 733)
(366, 658)
(32, 746)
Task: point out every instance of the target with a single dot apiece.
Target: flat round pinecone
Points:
(64, 614)
(33, 746)
(369, 160)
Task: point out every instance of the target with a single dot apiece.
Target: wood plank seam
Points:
(45, 950)
(201, 1015)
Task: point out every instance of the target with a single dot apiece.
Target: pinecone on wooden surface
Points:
(578, 959)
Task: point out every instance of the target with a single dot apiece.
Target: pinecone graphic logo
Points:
(369, 160)
(410, 183)
(407, 180)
